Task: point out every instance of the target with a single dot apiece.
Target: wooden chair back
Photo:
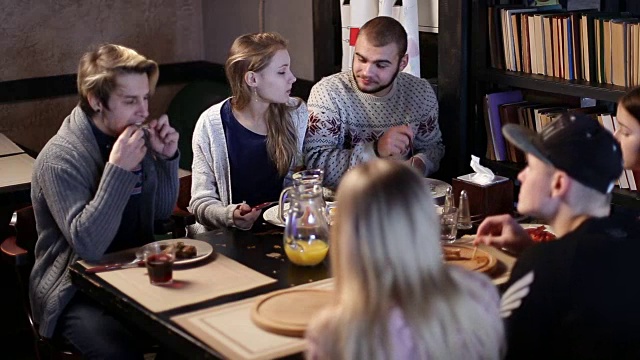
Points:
(18, 250)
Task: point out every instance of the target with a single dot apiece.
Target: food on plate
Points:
(540, 234)
(468, 258)
(453, 254)
(183, 251)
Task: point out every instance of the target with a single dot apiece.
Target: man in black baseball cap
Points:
(567, 298)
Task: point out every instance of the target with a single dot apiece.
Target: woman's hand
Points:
(244, 216)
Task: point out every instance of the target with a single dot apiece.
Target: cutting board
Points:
(288, 312)
(481, 262)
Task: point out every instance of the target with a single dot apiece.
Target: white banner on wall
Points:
(345, 16)
(357, 12)
(409, 19)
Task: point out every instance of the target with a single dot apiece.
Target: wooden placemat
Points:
(212, 279)
(288, 312)
(230, 331)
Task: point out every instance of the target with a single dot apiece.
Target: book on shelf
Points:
(493, 102)
(496, 31)
(509, 115)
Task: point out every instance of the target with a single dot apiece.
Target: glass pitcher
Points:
(300, 178)
(306, 232)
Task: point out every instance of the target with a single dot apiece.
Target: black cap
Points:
(576, 144)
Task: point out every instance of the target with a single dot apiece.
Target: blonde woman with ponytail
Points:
(246, 147)
(396, 299)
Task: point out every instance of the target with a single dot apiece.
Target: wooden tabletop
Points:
(256, 249)
(260, 249)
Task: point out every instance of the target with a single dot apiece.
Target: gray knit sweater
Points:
(211, 178)
(78, 202)
(344, 123)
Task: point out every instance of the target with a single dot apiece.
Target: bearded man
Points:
(375, 110)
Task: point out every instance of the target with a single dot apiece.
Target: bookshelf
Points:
(578, 88)
(483, 79)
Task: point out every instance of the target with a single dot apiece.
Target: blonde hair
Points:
(386, 254)
(253, 52)
(98, 71)
(586, 200)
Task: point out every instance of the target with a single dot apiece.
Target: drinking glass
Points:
(448, 225)
(159, 261)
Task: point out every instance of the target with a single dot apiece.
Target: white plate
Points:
(271, 214)
(438, 189)
(546, 227)
(203, 249)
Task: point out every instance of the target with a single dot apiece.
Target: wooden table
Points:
(15, 167)
(15, 181)
(248, 248)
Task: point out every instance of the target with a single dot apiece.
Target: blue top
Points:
(130, 233)
(254, 176)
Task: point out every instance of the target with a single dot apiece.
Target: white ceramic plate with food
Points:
(203, 249)
(539, 232)
(271, 214)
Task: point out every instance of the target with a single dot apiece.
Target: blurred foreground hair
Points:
(386, 254)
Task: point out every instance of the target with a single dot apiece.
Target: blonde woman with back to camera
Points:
(246, 148)
(396, 299)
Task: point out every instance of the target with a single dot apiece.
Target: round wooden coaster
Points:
(288, 312)
(461, 255)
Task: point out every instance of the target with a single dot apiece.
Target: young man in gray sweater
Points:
(98, 186)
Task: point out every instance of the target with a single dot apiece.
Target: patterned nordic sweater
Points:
(344, 122)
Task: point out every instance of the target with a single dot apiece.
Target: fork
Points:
(411, 153)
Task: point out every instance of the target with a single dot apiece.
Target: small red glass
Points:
(159, 261)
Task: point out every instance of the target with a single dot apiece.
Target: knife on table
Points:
(109, 267)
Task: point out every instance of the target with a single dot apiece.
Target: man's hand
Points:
(163, 138)
(417, 163)
(129, 149)
(502, 231)
(244, 216)
(395, 142)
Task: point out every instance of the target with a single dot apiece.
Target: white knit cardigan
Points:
(211, 180)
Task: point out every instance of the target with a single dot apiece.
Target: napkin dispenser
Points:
(494, 197)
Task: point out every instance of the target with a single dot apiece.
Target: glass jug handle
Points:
(283, 197)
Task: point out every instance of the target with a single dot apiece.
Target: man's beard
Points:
(379, 88)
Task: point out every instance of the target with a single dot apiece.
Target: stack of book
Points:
(586, 44)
